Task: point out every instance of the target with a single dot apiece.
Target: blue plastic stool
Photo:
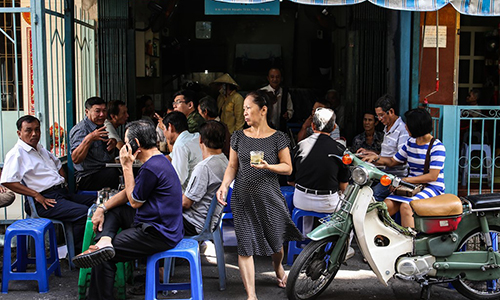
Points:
(187, 249)
(44, 266)
(293, 246)
(288, 192)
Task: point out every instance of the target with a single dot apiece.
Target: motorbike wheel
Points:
(479, 290)
(309, 275)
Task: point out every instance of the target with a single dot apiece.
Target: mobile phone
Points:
(134, 146)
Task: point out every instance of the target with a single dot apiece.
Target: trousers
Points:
(133, 242)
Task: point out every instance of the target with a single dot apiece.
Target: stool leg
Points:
(6, 263)
(120, 281)
(196, 278)
(41, 264)
(53, 251)
(22, 254)
(152, 281)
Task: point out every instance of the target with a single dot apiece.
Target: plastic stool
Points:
(288, 192)
(293, 246)
(187, 249)
(123, 270)
(44, 266)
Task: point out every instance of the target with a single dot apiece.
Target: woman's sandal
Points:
(282, 281)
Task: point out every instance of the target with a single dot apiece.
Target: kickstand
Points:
(425, 294)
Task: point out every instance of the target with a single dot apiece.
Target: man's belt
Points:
(314, 192)
(55, 187)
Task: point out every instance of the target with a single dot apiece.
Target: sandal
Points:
(282, 281)
(93, 256)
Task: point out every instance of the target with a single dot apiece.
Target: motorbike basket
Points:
(338, 218)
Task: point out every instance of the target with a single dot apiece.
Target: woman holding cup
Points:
(261, 219)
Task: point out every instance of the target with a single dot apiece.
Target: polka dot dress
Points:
(261, 218)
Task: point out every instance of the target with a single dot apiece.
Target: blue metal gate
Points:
(471, 137)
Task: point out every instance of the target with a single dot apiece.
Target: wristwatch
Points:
(103, 207)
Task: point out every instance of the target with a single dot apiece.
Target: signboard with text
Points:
(213, 7)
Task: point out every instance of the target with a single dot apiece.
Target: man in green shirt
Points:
(185, 102)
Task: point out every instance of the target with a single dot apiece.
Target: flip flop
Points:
(282, 281)
(93, 256)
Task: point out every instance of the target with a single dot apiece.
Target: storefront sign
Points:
(430, 36)
(31, 87)
(213, 7)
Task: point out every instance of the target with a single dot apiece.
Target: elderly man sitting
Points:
(318, 173)
(150, 224)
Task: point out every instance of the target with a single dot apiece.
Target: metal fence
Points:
(471, 137)
(48, 68)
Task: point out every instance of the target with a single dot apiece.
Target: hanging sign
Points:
(213, 7)
(430, 36)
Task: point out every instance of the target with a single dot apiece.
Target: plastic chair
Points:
(187, 249)
(208, 233)
(227, 213)
(35, 228)
(123, 270)
(466, 151)
(288, 192)
(293, 246)
(66, 226)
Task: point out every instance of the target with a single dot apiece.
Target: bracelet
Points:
(378, 157)
(103, 207)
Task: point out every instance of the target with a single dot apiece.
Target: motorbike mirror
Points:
(385, 180)
(347, 159)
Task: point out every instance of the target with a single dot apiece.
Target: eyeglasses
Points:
(380, 116)
(178, 102)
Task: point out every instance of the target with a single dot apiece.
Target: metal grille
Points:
(113, 50)
(368, 79)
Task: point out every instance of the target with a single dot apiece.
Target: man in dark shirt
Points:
(91, 149)
(370, 139)
(151, 223)
(318, 172)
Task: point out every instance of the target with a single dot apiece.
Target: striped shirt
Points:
(415, 156)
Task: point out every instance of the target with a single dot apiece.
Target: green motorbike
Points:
(455, 240)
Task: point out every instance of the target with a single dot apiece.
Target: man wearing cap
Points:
(230, 103)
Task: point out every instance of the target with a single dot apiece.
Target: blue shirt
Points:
(98, 155)
(158, 187)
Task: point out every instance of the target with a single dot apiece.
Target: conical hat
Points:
(226, 79)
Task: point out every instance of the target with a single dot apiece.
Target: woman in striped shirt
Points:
(419, 126)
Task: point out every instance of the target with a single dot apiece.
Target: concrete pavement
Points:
(354, 281)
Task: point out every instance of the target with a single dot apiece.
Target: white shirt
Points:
(277, 106)
(394, 139)
(112, 133)
(186, 154)
(37, 168)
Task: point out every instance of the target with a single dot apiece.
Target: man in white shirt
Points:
(32, 170)
(117, 116)
(395, 137)
(186, 151)
(283, 107)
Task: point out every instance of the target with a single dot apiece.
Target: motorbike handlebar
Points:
(407, 184)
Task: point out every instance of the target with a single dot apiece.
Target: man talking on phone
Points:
(91, 149)
(151, 223)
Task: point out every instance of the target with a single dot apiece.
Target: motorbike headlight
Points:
(360, 175)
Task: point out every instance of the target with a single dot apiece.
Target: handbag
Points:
(409, 192)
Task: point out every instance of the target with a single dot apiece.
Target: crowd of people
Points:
(208, 147)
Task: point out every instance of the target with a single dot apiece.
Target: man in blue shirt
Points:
(151, 223)
(91, 149)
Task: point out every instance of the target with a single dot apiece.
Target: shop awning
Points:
(467, 7)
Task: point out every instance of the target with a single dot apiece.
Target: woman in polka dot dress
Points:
(261, 219)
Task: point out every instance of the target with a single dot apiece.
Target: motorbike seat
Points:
(439, 206)
(483, 201)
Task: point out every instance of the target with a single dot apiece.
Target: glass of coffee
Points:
(256, 157)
